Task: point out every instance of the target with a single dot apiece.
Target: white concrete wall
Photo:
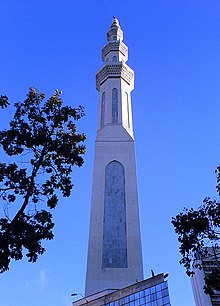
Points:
(201, 299)
(122, 87)
(114, 278)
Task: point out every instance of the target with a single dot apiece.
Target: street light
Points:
(75, 294)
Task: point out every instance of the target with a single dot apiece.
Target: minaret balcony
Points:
(115, 70)
(115, 46)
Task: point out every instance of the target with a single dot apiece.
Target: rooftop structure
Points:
(151, 292)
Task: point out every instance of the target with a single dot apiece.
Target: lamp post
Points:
(75, 294)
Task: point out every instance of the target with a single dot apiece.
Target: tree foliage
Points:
(42, 145)
(197, 231)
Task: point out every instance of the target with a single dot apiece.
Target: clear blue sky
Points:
(174, 49)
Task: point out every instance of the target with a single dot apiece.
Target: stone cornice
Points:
(114, 46)
(115, 70)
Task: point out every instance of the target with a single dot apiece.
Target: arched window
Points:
(103, 110)
(128, 109)
(114, 59)
(115, 105)
(114, 251)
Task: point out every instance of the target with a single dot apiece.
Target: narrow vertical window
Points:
(114, 251)
(103, 110)
(128, 109)
(114, 105)
(114, 59)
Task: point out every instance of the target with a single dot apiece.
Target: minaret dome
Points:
(115, 50)
(115, 33)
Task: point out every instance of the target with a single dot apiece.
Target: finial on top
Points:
(115, 32)
(115, 23)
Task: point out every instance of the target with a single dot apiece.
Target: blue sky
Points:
(174, 49)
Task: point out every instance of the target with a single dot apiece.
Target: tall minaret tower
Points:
(114, 252)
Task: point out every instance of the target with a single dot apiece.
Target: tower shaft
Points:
(114, 252)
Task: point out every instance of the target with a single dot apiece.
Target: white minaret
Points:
(114, 252)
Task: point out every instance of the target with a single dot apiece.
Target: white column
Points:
(114, 252)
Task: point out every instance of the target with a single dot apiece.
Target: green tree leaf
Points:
(43, 137)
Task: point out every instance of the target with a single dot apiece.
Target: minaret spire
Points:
(114, 252)
(115, 33)
(114, 69)
(115, 22)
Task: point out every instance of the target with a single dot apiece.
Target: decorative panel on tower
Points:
(114, 251)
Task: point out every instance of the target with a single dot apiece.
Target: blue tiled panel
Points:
(103, 110)
(114, 253)
(115, 105)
